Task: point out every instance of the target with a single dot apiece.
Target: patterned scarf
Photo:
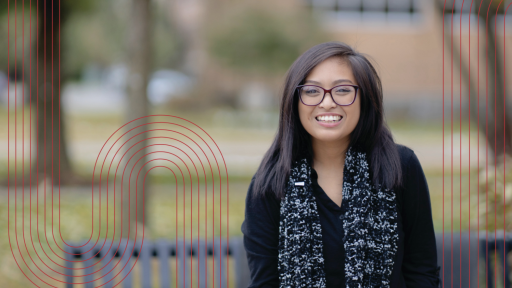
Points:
(370, 227)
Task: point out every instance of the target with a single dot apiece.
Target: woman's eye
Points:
(343, 90)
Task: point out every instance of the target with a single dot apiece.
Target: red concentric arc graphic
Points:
(488, 13)
(177, 145)
(198, 151)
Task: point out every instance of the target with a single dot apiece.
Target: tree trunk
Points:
(186, 16)
(139, 48)
(51, 160)
(496, 94)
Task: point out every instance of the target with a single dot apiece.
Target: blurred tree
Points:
(187, 17)
(168, 44)
(252, 44)
(52, 157)
(94, 38)
(256, 37)
(139, 61)
(99, 38)
(20, 19)
(490, 120)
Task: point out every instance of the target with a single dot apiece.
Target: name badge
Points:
(299, 183)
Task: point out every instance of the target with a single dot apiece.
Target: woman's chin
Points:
(329, 137)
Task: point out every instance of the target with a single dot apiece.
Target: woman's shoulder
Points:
(411, 169)
(261, 207)
(407, 156)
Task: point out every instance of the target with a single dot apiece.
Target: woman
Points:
(335, 202)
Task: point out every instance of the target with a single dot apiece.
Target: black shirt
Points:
(415, 263)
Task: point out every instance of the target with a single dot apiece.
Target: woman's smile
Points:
(329, 120)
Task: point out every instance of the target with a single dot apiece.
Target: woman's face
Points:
(329, 73)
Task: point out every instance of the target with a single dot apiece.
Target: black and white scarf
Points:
(370, 226)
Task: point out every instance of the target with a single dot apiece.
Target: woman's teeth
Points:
(329, 118)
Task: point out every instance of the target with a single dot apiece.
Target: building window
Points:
(465, 6)
(368, 12)
(468, 14)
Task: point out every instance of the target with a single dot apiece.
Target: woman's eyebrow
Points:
(334, 82)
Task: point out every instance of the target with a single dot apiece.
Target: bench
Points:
(502, 248)
(466, 271)
(166, 253)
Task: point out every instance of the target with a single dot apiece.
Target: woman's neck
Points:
(329, 155)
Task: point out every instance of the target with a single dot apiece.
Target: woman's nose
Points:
(327, 101)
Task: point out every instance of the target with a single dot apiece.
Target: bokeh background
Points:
(221, 64)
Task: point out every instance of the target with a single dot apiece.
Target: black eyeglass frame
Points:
(328, 91)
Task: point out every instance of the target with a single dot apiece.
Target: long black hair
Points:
(292, 142)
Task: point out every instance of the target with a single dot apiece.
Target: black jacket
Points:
(415, 263)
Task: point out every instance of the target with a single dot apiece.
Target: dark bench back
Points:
(469, 258)
(464, 262)
(166, 252)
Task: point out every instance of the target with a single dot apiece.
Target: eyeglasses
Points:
(343, 95)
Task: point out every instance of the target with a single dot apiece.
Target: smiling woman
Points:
(335, 201)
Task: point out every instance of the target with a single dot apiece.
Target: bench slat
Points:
(90, 260)
(69, 265)
(236, 246)
(182, 250)
(107, 255)
(220, 260)
(146, 248)
(508, 249)
(201, 252)
(163, 253)
(126, 262)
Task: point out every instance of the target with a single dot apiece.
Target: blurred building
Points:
(405, 37)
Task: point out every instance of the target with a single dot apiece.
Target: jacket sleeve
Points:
(419, 267)
(261, 238)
